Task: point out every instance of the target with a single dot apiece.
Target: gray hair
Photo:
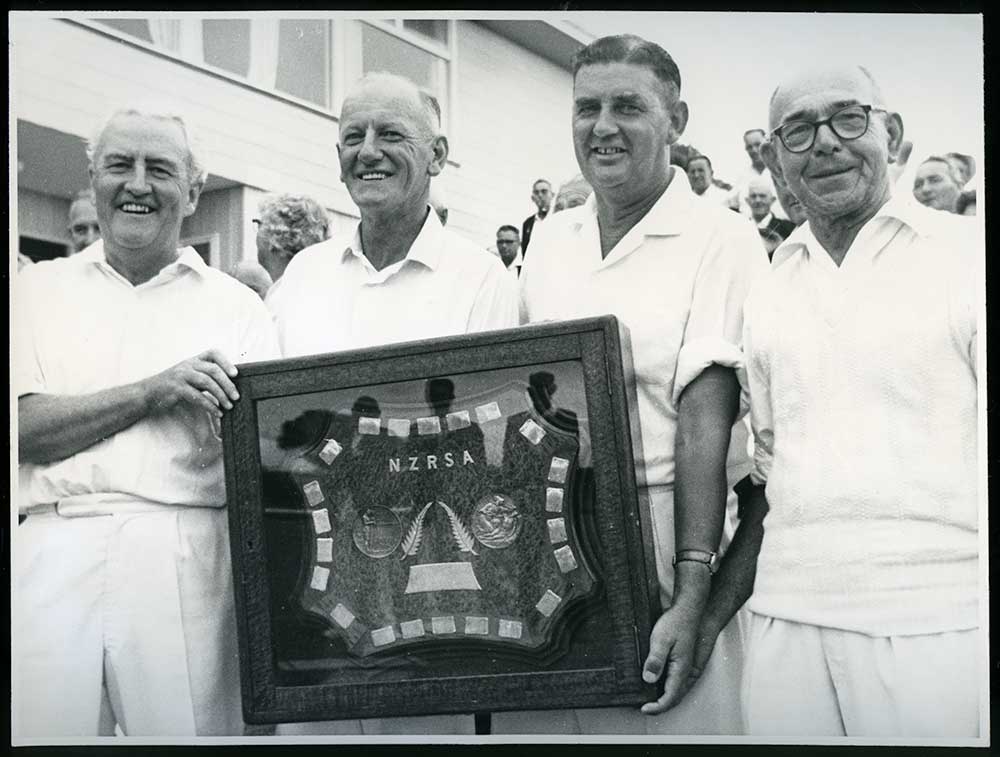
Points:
(292, 222)
(759, 184)
(195, 168)
(84, 195)
(430, 107)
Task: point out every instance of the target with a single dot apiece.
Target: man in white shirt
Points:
(674, 270)
(861, 361)
(123, 365)
(398, 276)
(752, 141)
(700, 175)
(509, 249)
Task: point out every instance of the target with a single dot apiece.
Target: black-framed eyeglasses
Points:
(847, 123)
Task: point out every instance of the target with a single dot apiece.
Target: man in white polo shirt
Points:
(674, 269)
(123, 364)
(397, 276)
(861, 357)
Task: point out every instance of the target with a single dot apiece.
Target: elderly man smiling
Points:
(397, 276)
(123, 609)
(861, 357)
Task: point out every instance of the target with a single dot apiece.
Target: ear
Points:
(894, 126)
(678, 120)
(340, 162)
(440, 148)
(194, 192)
(769, 154)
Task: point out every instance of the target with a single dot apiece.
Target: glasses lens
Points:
(797, 135)
(850, 123)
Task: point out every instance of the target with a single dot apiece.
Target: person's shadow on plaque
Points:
(297, 635)
(541, 389)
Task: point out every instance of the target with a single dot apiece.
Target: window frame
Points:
(94, 24)
(342, 57)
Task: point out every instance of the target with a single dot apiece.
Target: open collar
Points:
(187, 258)
(425, 250)
(903, 209)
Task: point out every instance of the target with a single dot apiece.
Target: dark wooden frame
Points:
(629, 571)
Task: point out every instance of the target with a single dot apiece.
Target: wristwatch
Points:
(709, 559)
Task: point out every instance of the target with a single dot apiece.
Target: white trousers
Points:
(811, 681)
(127, 620)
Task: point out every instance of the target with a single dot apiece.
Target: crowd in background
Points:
(289, 222)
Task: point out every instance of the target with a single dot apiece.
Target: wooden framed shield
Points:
(441, 526)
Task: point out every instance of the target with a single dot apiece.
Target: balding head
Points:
(419, 104)
(390, 147)
(760, 197)
(839, 180)
(854, 78)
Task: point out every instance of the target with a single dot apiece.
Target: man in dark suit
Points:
(541, 195)
(773, 231)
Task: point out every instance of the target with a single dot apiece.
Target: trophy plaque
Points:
(441, 526)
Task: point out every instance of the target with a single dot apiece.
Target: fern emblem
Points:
(462, 537)
(411, 543)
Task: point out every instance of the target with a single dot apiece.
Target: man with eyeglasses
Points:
(861, 361)
(509, 249)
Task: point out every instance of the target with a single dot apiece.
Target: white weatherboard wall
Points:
(510, 121)
(514, 127)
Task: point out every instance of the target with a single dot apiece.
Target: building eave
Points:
(556, 40)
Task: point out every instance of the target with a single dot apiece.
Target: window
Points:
(304, 59)
(384, 52)
(416, 49)
(226, 44)
(296, 56)
(134, 27)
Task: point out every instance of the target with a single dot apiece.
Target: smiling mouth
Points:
(374, 176)
(135, 208)
(828, 174)
(609, 150)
